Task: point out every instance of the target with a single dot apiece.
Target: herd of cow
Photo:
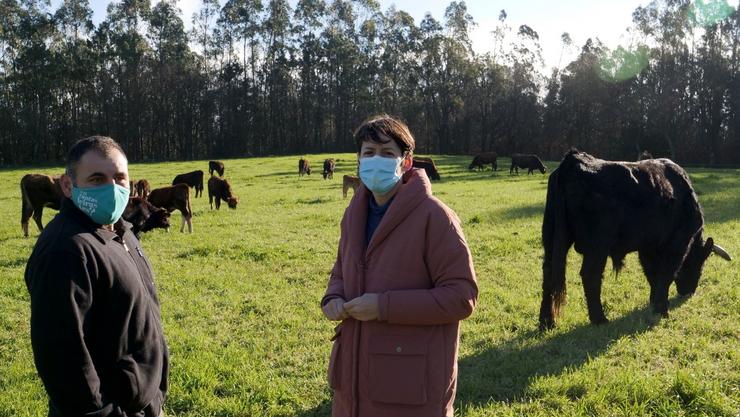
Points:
(147, 209)
(604, 209)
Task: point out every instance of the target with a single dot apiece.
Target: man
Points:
(96, 330)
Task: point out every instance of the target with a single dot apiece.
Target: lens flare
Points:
(708, 12)
(622, 64)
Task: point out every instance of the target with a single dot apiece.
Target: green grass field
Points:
(247, 338)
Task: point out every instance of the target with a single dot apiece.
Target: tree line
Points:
(261, 77)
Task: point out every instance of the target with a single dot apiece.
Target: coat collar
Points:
(103, 235)
(414, 189)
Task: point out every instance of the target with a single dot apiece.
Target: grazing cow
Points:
(328, 168)
(176, 197)
(141, 189)
(349, 181)
(428, 165)
(304, 168)
(144, 216)
(192, 179)
(220, 189)
(38, 191)
(482, 159)
(531, 162)
(217, 166)
(608, 209)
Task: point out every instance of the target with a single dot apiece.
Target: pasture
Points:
(240, 303)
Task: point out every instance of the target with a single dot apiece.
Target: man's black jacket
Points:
(96, 330)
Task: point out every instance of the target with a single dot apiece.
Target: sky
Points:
(582, 19)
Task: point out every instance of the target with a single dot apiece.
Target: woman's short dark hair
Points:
(101, 144)
(390, 126)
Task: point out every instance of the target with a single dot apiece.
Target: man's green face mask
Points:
(104, 204)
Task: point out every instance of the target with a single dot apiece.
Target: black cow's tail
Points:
(557, 241)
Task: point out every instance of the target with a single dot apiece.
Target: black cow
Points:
(38, 191)
(608, 209)
(328, 168)
(481, 160)
(217, 166)
(304, 167)
(192, 179)
(144, 216)
(531, 162)
(428, 165)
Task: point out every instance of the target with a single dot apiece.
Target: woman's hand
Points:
(334, 309)
(363, 308)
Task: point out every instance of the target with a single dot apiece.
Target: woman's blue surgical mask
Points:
(380, 174)
(104, 204)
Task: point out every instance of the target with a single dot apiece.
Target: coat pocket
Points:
(398, 371)
(335, 365)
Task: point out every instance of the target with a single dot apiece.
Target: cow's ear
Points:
(66, 184)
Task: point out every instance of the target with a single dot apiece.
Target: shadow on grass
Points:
(718, 196)
(321, 410)
(523, 212)
(505, 372)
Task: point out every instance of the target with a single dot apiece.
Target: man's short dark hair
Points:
(390, 126)
(101, 144)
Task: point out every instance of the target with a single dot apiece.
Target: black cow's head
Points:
(159, 218)
(232, 202)
(688, 276)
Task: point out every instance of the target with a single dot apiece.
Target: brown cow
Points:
(192, 179)
(428, 165)
(144, 216)
(304, 168)
(349, 181)
(141, 189)
(220, 189)
(176, 197)
(38, 191)
(481, 160)
(328, 168)
(217, 166)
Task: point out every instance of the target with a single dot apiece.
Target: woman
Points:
(402, 281)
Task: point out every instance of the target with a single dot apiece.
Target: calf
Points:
(328, 168)
(304, 168)
(176, 197)
(428, 165)
(144, 216)
(531, 162)
(141, 189)
(217, 166)
(349, 181)
(38, 191)
(220, 189)
(609, 209)
(481, 160)
(192, 179)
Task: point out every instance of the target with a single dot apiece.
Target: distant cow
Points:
(192, 179)
(608, 209)
(141, 189)
(481, 160)
(220, 189)
(328, 168)
(304, 168)
(217, 166)
(531, 162)
(38, 191)
(144, 216)
(176, 197)
(428, 165)
(349, 181)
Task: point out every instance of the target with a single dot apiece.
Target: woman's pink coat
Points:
(405, 363)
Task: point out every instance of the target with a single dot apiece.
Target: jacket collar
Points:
(103, 235)
(414, 189)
